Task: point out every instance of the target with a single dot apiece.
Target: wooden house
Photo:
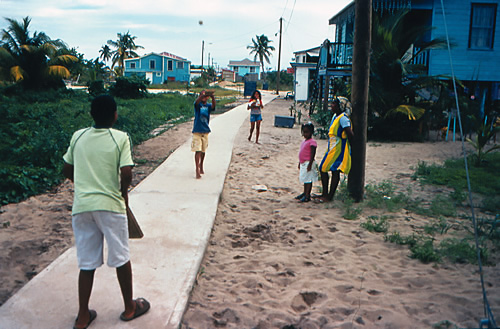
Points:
(159, 68)
(472, 29)
(250, 70)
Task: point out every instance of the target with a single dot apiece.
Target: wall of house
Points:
(244, 70)
(301, 88)
(160, 72)
(468, 64)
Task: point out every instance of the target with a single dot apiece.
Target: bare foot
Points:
(198, 176)
(249, 137)
(202, 171)
(256, 142)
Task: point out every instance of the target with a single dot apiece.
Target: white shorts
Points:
(90, 228)
(308, 176)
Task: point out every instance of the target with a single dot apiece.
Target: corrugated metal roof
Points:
(245, 62)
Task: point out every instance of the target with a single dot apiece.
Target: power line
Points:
(290, 19)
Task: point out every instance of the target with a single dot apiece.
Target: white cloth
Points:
(90, 228)
(308, 176)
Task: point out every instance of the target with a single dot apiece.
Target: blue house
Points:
(473, 32)
(250, 70)
(159, 68)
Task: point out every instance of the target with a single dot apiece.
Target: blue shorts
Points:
(255, 117)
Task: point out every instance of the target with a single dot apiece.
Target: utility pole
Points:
(359, 95)
(279, 61)
(202, 48)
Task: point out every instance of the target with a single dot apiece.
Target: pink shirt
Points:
(305, 149)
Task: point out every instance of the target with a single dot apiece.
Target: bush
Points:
(36, 129)
(96, 88)
(129, 87)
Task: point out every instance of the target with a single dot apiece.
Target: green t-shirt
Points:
(97, 156)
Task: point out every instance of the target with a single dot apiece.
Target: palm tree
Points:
(35, 60)
(394, 76)
(396, 79)
(124, 48)
(261, 49)
(105, 53)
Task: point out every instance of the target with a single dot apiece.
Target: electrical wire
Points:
(487, 309)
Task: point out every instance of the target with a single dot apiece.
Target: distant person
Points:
(337, 157)
(99, 162)
(201, 129)
(255, 106)
(308, 172)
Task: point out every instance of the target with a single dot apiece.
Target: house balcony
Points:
(338, 57)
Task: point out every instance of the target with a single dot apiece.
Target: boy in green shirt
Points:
(99, 162)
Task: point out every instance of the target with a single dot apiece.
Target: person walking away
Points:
(99, 162)
(201, 129)
(337, 157)
(308, 172)
(255, 106)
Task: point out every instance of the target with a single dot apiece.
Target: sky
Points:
(180, 26)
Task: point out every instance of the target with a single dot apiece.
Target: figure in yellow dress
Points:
(337, 157)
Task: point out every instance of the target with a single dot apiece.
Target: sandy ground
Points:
(275, 263)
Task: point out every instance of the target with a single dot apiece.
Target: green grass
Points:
(36, 128)
(485, 180)
(376, 224)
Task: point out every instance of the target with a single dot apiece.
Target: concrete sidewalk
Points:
(176, 213)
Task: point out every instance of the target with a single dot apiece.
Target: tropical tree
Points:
(124, 48)
(34, 60)
(395, 78)
(261, 48)
(105, 53)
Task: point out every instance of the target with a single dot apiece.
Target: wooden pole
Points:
(202, 49)
(359, 96)
(279, 61)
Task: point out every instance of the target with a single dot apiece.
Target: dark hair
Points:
(309, 126)
(103, 109)
(258, 92)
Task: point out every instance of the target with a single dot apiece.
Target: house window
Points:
(132, 65)
(180, 65)
(252, 70)
(170, 65)
(482, 25)
(152, 64)
(158, 74)
(236, 69)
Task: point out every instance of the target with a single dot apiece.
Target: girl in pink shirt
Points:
(308, 170)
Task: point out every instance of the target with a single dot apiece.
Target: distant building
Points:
(195, 73)
(228, 75)
(159, 68)
(304, 73)
(245, 69)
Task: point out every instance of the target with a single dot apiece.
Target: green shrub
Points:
(397, 238)
(376, 224)
(129, 87)
(96, 88)
(424, 251)
(461, 251)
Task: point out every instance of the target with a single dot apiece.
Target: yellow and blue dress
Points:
(338, 154)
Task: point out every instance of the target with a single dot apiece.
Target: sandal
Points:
(93, 315)
(305, 199)
(300, 196)
(141, 307)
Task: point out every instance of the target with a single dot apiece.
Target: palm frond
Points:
(412, 112)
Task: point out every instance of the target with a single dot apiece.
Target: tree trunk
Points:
(359, 96)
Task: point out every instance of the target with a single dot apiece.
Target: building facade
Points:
(245, 69)
(159, 68)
